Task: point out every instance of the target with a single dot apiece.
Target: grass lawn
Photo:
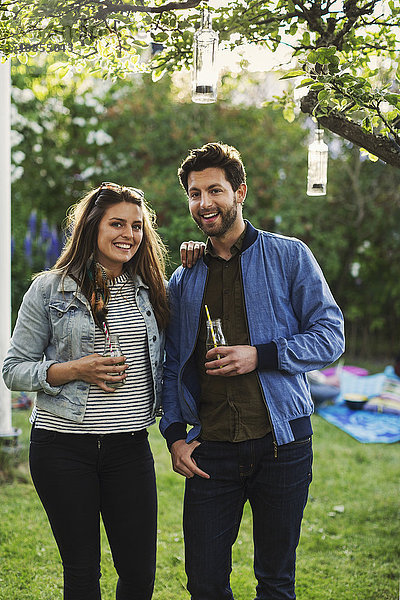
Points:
(349, 548)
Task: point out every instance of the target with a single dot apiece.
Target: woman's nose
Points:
(128, 232)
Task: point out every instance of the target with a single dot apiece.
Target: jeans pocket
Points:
(200, 448)
(41, 437)
(303, 442)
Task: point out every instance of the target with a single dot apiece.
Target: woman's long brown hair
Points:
(82, 228)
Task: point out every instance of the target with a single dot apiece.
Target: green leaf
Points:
(305, 82)
(312, 57)
(157, 74)
(393, 99)
(371, 157)
(288, 114)
(298, 73)
(23, 58)
(161, 37)
(306, 38)
(323, 95)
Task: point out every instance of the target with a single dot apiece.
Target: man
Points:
(248, 403)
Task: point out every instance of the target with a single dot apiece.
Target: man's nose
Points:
(205, 200)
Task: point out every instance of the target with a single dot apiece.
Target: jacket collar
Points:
(70, 284)
(249, 239)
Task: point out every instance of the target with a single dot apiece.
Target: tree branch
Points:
(109, 8)
(379, 145)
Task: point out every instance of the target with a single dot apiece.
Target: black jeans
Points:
(80, 476)
(277, 489)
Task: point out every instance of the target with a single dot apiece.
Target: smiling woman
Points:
(120, 235)
(89, 447)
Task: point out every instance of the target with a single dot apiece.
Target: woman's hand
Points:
(191, 252)
(94, 369)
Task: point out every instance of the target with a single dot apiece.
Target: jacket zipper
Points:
(274, 442)
(180, 379)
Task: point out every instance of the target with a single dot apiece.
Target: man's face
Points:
(212, 202)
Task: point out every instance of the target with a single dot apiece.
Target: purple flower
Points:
(53, 248)
(45, 233)
(28, 247)
(32, 222)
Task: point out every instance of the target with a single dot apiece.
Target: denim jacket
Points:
(291, 316)
(55, 324)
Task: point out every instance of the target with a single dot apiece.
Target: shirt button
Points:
(148, 313)
(156, 363)
(154, 338)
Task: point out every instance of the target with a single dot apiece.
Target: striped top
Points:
(129, 408)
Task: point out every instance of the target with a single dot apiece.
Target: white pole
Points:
(5, 240)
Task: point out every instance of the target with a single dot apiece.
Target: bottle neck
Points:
(206, 19)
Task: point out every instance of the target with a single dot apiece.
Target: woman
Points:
(89, 452)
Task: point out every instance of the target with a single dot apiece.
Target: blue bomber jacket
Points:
(293, 321)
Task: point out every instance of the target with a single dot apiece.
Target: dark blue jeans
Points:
(78, 477)
(277, 489)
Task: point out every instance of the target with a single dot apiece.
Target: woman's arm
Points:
(24, 368)
(94, 369)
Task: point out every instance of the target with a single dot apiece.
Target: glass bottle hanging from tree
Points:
(205, 68)
(317, 165)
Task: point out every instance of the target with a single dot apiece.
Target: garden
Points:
(94, 113)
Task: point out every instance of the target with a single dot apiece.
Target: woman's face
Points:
(119, 237)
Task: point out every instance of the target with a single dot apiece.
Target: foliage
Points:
(349, 554)
(73, 133)
(345, 54)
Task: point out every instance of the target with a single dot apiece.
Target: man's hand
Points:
(234, 360)
(182, 461)
(191, 252)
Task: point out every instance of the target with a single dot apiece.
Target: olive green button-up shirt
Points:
(231, 408)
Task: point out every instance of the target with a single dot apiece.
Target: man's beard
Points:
(228, 218)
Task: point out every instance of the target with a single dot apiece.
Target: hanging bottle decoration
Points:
(205, 68)
(317, 165)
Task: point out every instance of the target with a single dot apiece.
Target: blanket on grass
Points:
(374, 423)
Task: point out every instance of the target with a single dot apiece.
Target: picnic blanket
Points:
(369, 425)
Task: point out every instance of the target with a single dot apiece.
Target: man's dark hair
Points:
(217, 155)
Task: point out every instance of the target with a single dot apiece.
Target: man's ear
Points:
(241, 193)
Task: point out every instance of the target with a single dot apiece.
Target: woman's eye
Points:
(137, 227)
(116, 224)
